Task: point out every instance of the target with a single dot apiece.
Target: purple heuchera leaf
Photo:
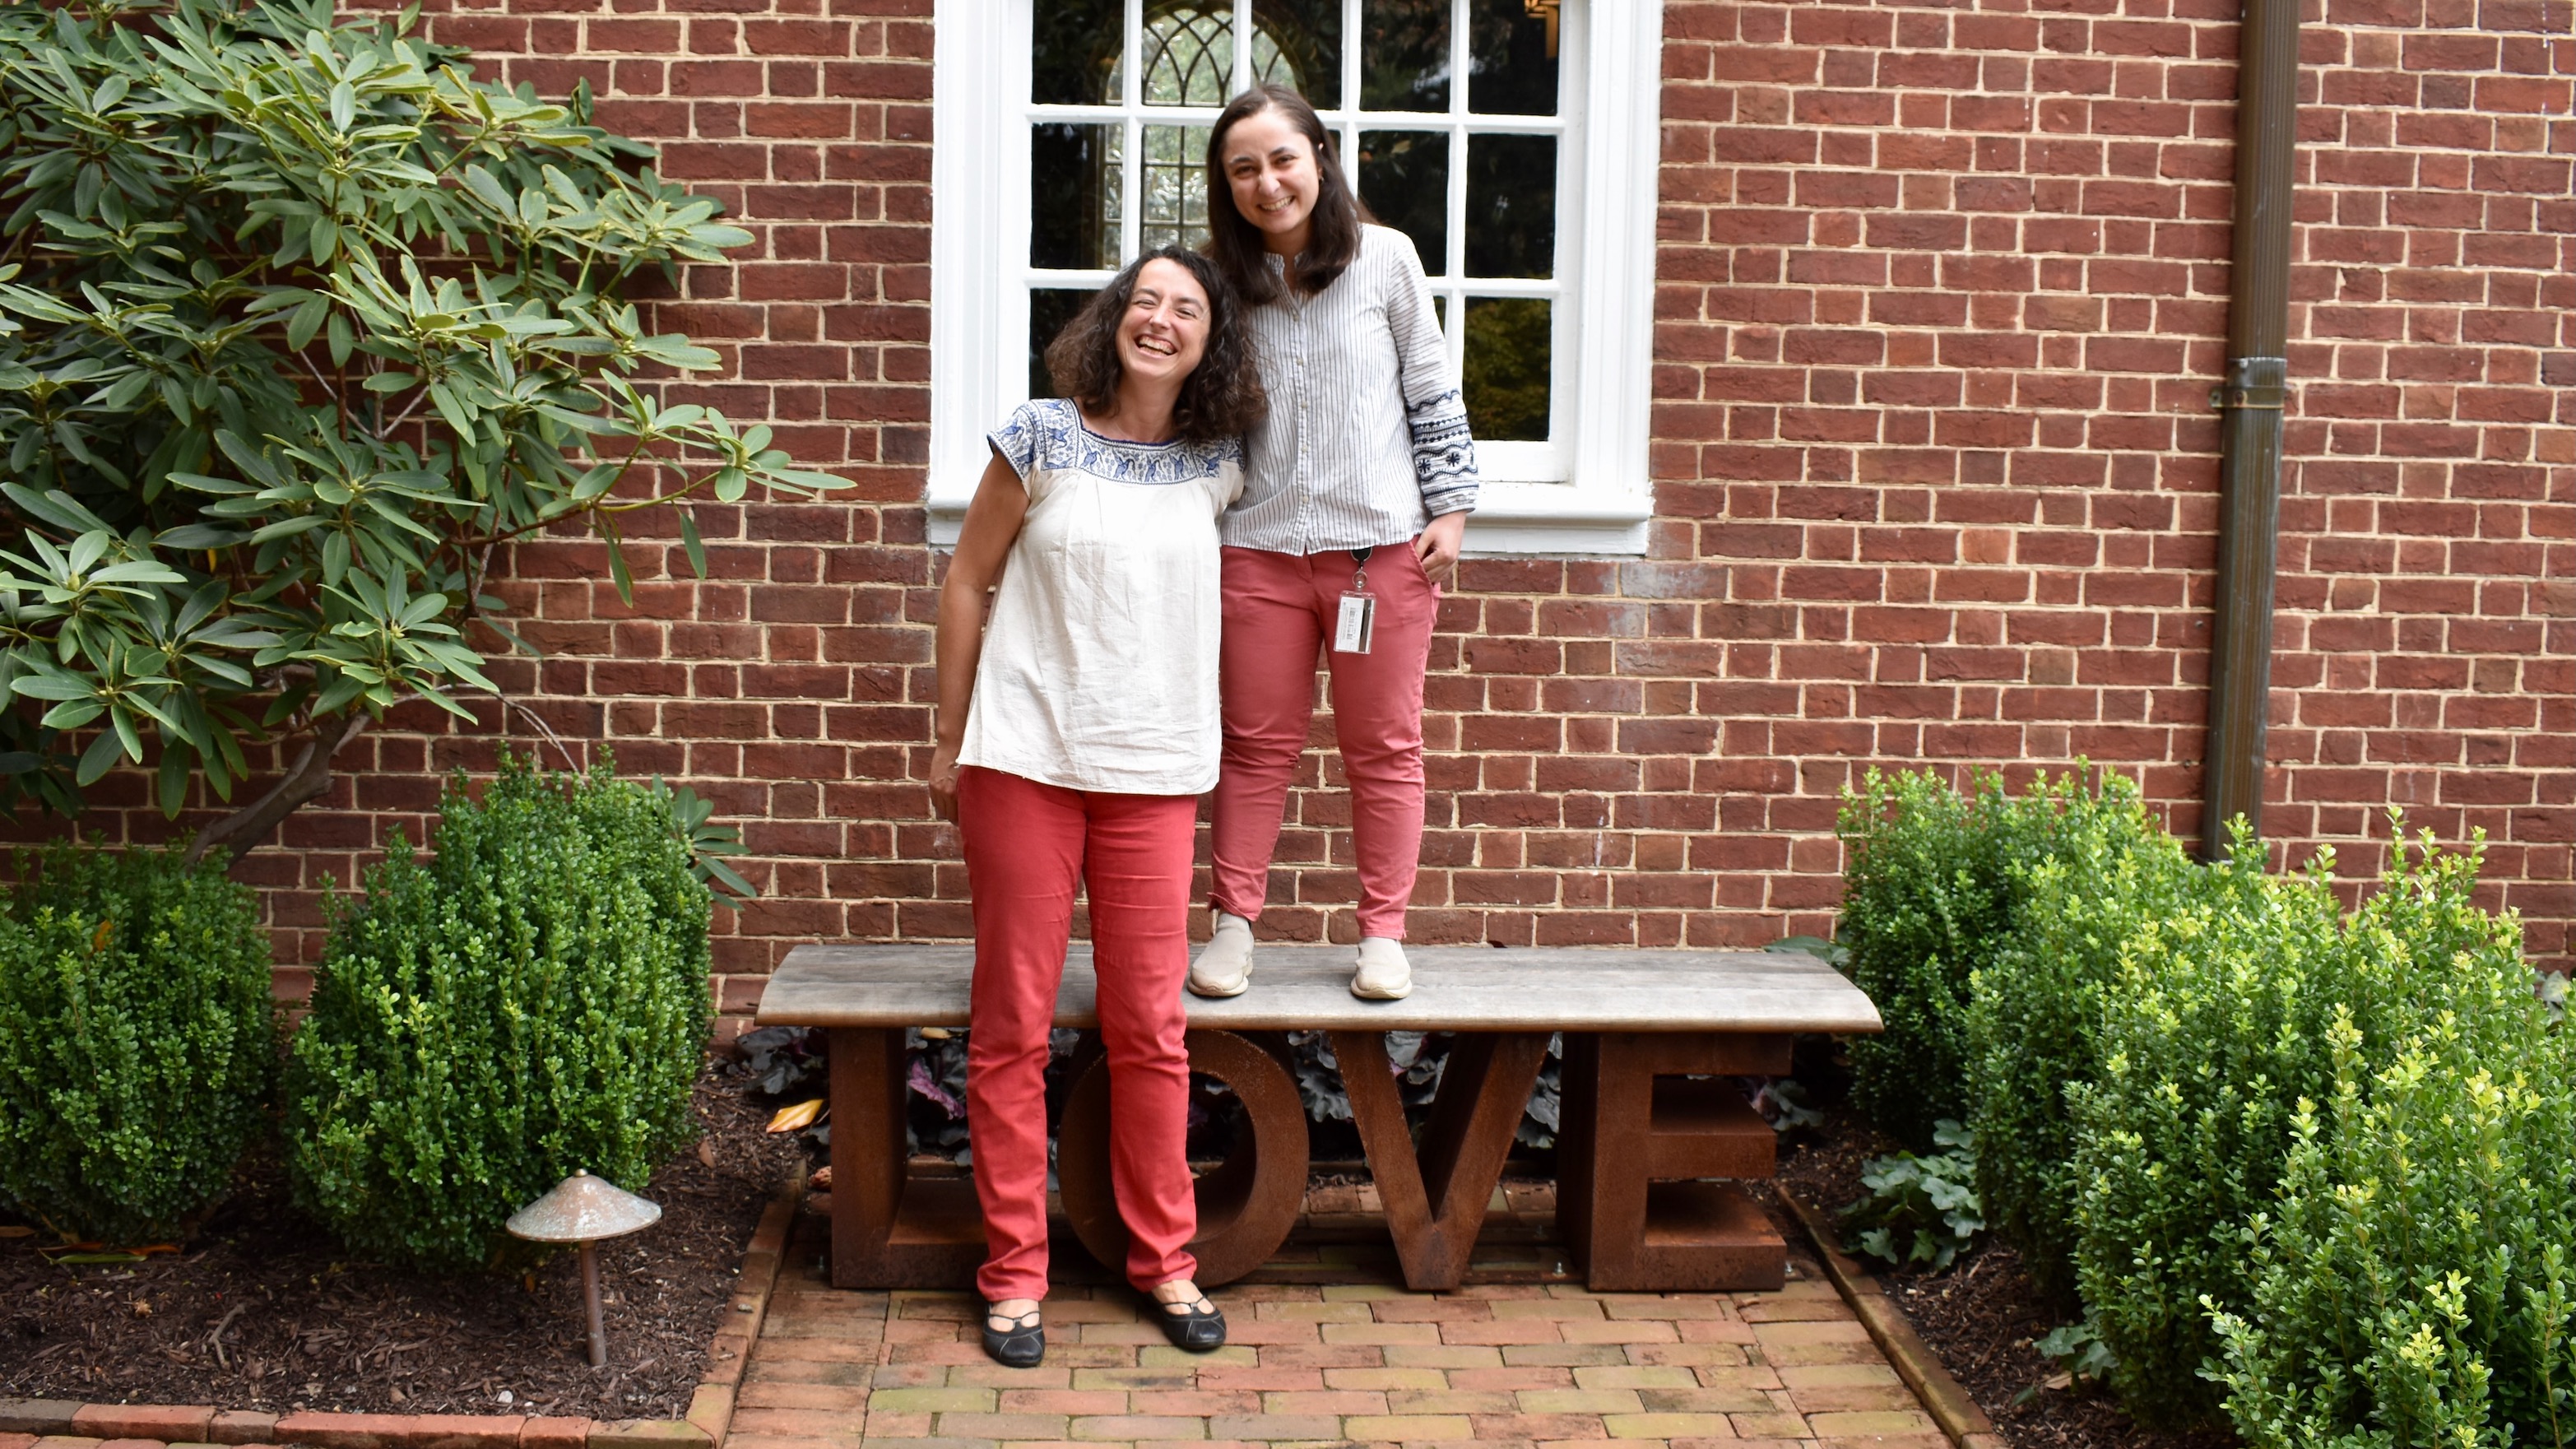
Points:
(919, 1080)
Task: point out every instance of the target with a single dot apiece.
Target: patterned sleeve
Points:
(1444, 451)
(1021, 439)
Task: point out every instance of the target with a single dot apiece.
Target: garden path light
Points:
(584, 1209)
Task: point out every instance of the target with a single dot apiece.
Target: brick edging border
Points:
(1960, 1419)
(710, 1407)
(729, 1355)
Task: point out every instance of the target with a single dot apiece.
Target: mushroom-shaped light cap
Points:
(582, 1209)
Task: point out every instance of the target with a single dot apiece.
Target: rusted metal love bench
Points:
(1650, 1129)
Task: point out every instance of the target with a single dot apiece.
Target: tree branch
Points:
(245, 829)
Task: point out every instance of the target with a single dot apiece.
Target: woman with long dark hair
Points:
(1357, 487)
(1077, 728)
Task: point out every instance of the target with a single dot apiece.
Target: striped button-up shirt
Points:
(1367, 434)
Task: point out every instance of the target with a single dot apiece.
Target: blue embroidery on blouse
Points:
(1048, 433)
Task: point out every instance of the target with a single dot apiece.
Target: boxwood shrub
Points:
(530, 1000)
(2033, 1009)
(1934, 885)
(2413, 1283)
(2231, 1017)
(138, 1043)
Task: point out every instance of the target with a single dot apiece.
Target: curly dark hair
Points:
(1221, 398)
(1334, 240)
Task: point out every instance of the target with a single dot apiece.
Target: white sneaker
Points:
(1384, 974)
(1224, 966)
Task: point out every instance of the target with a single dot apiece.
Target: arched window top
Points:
(1188, 57)
(1187, 52)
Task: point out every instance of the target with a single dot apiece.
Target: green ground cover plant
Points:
(1922, 1209)
(530, 1000)
(138, 1044)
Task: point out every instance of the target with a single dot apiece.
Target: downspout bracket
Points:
(2254, 382)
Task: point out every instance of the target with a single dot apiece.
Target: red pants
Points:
(1027, 844)
(1279, 609)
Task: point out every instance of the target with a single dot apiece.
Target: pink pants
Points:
(1279, 609)
(1027, 844)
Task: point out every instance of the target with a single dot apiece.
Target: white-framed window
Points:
(1514, 140)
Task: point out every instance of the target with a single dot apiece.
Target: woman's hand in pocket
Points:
(943, 781)
(1439, 543)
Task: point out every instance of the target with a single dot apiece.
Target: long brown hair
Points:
(1221, 398)
(1237, 244)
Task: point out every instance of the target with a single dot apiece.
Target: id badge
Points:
(1356, 624)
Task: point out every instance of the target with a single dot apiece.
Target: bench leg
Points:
(1436, 1196)
(1635, 1155)
(889, 1231)
(1246, 1206)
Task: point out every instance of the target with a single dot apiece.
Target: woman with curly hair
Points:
(1356, 494)
(1077, 726)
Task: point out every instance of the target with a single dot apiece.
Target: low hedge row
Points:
(2285, 1157)
(530, 1000)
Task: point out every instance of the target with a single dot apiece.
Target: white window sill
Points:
(1511, 519)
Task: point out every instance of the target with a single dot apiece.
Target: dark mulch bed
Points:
(263, 1311)
(1981, 1316)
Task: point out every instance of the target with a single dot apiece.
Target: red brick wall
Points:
(1943, 290)
(1941, 296)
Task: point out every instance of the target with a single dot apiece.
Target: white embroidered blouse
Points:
(1098, 669)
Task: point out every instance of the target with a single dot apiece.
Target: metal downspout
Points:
(2258, 325)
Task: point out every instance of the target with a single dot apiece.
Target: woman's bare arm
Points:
(993, 520)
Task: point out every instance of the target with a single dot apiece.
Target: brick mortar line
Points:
(709, 1416)
(1966, 1425)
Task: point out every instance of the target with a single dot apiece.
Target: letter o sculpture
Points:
(1246, 1206)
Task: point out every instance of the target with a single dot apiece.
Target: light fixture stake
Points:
(582, 1210)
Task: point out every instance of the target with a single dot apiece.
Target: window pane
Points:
(1049, 309)
(1506, 372)
(1174, 187)
(1298, 44)
(1076, 52)
(1073, 195)
(1511, 60)
(1404, 178)
(1187, 54)
(1511, 206)
(1404, 55)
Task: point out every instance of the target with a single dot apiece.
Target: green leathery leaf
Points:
(689, 540)
(302, 327)
(617, 570)
(99, 758)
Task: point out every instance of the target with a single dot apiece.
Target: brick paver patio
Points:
(1525, 1364)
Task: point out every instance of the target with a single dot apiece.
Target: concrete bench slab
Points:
(1307, 988)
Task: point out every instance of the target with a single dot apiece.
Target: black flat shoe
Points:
(1196, 1328)
(1023, 1345)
